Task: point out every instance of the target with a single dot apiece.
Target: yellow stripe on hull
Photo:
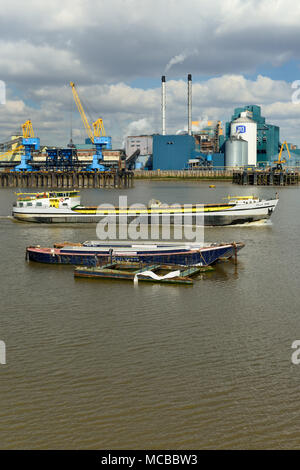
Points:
(151, 211)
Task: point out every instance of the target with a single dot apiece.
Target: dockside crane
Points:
(29, 143)
(97, 135)
(280, 161)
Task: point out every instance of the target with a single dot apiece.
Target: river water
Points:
(110, 365)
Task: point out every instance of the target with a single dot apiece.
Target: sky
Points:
(239, 52)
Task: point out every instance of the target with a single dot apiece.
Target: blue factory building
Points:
(217, 160)
(172, 152)
(206, 147)
(267, 134)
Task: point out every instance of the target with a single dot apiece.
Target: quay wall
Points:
(266, 178)
(66, 180)
(184, 174)
(255, 177)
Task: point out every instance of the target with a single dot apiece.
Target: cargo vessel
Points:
(93, 253)
(65, 207)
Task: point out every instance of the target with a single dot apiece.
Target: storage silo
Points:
(236, 152)
(247, 129)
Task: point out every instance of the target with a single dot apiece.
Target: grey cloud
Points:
(125, 108)
(104, 45)
(116, 41)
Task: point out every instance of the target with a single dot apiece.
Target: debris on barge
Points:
(142, 272)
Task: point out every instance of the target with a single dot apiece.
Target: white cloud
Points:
(139, 127)
(121, 40)
(130, 110)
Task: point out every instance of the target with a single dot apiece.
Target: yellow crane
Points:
(28, 145)
(27, 132)
(98, 136)
(27, 129)
(280, 161)
(98, 126)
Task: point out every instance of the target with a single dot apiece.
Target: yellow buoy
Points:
(212, 186)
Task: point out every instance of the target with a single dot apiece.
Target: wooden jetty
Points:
(258, 177)
(123, 270)
(66, 179)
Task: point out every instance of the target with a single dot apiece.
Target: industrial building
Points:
(143, 143)
(267, 134)
(210, 138)
(236, 151)
(199, 146)
(86, 151)
(176, 151)
(171, 152)
(139, 151)
(248, 141)
(246, 128)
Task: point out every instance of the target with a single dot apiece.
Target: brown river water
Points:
(111, 365)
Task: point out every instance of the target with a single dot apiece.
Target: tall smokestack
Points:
(163, 105)
(189, 104)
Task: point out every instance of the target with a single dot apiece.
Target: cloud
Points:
(120, 41)
(139, 127)
(23, 63)
(131, 110)
(107, 47)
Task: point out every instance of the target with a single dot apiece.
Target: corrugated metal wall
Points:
(172, 152)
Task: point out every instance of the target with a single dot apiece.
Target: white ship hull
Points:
(209, 215)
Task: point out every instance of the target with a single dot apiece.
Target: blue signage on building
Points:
(241, 129)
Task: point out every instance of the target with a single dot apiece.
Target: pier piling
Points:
(66, 180)
(265, 177)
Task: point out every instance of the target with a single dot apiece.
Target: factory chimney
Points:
(189, 104)
(163, 104)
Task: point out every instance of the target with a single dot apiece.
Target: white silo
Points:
(247, 129)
